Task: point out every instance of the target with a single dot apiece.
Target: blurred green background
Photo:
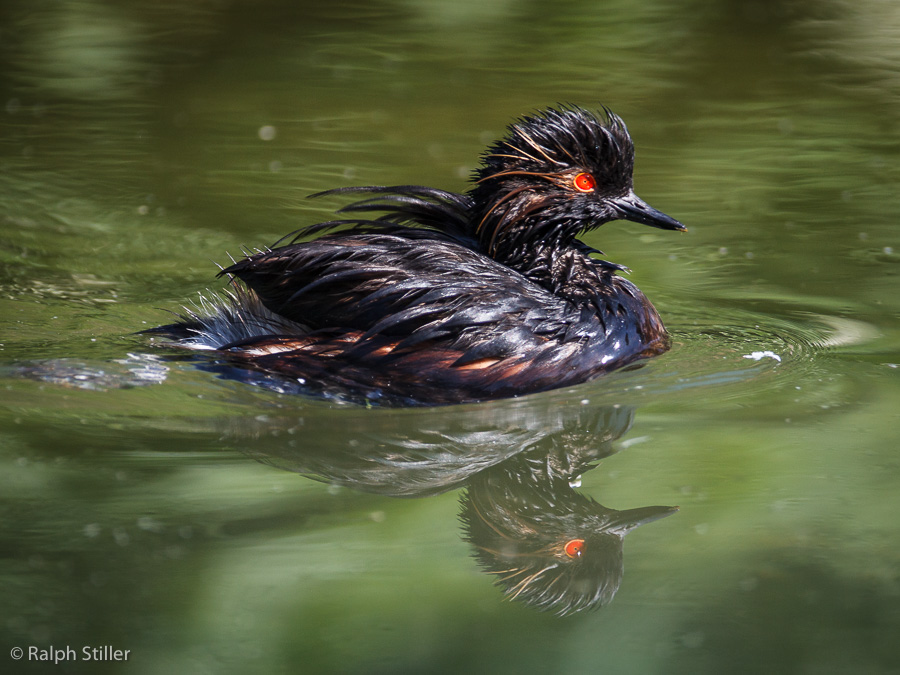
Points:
(140, 142)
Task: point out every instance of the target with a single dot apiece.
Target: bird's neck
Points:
(511, 220)
(528, 232)
(566, 271)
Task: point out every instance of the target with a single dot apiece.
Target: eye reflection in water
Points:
(548, 545)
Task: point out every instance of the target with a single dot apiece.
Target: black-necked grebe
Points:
(445, 297)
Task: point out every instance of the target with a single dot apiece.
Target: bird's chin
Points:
(597, 223)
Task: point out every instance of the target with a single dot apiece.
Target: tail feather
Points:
(223, 318)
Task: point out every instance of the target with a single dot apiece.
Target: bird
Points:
(420, 296)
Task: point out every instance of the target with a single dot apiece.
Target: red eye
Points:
(584, 182)
(575, 548)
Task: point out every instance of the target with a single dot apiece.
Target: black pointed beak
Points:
(633, 208)
(626, 521)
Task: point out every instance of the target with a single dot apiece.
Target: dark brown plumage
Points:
(445, 297)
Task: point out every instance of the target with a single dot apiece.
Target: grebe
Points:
(450, 298)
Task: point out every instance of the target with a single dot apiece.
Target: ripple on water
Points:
(732, 346)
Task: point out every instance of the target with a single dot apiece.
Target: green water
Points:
(139, 143)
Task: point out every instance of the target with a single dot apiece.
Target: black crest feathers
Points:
(526, 187)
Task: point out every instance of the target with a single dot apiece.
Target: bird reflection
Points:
(548, 545)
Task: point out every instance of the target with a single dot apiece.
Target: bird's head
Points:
(557, 173)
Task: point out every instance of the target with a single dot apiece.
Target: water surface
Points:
(153, 506)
